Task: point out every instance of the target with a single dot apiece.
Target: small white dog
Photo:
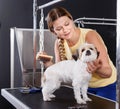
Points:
(70, 71)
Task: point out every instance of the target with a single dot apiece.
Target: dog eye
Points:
(91, 48)
(83, 50)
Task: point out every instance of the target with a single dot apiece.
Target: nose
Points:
(64, 29)
(88, 53)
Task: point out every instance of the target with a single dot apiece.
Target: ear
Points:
(75, 55)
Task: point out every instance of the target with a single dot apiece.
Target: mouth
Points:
(67, 34)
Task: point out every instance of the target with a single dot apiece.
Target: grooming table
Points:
(64, 100)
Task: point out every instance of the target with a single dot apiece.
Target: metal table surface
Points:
(64, 100)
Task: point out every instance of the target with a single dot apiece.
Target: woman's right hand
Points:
(40, 53)
(46, 59)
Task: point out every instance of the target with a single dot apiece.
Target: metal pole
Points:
(118, 55)
(35, 9)
(48, 4)
(97, 19)
(34, 36)
(41, 40)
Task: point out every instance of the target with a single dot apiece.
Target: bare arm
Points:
(101, 65)
(56, 50)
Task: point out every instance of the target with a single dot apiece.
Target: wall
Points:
(18, 13)
(12, 13)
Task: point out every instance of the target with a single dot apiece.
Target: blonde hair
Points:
(54, 14)
(61, 49)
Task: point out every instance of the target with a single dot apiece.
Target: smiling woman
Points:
(60, 22)
(19, 14)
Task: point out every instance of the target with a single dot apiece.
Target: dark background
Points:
(18, 13)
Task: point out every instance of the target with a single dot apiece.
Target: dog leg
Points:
(52, 95)
(49, 89)
(48, 96)
(45, 94)
(77, 93)
(84, 92)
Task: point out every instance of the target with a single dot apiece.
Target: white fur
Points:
(70, 71)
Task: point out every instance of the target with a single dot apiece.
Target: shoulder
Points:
(86, 30)
(57, 41)
(92, 36)
(56, 44)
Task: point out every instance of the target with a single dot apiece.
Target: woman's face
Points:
(64, 27)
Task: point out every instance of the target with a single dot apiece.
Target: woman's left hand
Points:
(93, 66)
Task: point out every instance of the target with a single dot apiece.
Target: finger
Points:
(88, 70)
(91, 65)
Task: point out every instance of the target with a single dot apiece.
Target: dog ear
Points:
(98, 53)
(75, 55)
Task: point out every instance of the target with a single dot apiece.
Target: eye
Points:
(83, 50)
(58, 29)
(91, 48)
(67, 23)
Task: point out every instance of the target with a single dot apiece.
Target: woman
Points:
(69, 38)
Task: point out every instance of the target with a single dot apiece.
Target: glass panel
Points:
(23, 55)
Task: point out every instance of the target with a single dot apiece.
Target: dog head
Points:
(87, 52)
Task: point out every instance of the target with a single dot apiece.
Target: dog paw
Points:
(52, 96)
(81, 101)
(46, 98)
(87, 99)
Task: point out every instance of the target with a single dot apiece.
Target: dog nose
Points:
(88, 53)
